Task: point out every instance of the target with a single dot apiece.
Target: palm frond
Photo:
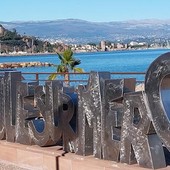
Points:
(77, 62)
(67, 64)
(62, 68)
(52, 76)
(74, 63)
(78, 70)
(68, 55)
(61, 58)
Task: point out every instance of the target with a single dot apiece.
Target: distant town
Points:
(12, 43)
(111, 46)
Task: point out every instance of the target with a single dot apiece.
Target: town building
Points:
(103, 45)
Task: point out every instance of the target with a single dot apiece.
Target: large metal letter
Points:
(49, 102)
(147, 148)
(11, 80)
(68, 134)
(89, 115)
(2, 109)
(154, 77)
(112, 112)
(25, 111)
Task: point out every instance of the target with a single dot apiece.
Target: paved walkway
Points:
(8, 166)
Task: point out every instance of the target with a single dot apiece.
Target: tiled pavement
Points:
(9, 166)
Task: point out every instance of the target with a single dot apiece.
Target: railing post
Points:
(37, 76)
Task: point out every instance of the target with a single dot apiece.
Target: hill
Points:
(80, 31)
(11, 42)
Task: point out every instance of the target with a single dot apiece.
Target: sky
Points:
(90, 10)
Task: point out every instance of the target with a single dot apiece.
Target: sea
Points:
(113, 61)
(110, 61)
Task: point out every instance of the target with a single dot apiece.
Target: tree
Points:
(67, 64)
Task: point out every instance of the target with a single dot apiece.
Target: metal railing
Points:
(78, 77)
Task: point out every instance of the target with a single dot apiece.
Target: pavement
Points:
(4, 165)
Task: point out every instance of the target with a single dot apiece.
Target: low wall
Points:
(18, 156)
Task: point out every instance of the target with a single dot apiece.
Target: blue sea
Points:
(115, 61)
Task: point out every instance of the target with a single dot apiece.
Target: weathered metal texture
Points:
(147, 149)
(11, 79)
(84, 131)
(73, 98)
(89, 115)
(25, 111)
(49, 102)
(112, 112)
(154, 77)
(68, 131)
(2, 109)
(56, 111)
(165, 93)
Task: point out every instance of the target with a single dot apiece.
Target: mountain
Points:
(80, 31)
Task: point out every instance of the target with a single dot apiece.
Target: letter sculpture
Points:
(105, 118)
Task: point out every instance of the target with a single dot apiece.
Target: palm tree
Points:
(67, 64)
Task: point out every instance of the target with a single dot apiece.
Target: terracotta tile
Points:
(12, 145)
(121, 166)
(167, 168)
(30, 158)
(77, 162)
(64, 163)
(51, 150)
(84, 165)
(8, 154)
(50, 158)
(49, 162)
(87, 163)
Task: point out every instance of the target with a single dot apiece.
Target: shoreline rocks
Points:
(24, 64)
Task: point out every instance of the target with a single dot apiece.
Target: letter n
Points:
(89, 115)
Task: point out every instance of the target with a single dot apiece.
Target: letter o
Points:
(157, 71)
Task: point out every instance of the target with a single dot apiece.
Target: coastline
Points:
(25, 54)
(114, 62)
(24, 64)
(79, 52)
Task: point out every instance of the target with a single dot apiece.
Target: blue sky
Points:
(90, 10)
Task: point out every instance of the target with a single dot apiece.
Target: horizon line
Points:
(128, 20)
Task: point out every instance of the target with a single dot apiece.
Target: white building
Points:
(103, 45)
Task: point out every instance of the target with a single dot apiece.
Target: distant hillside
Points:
(80, 31)
(11, 42)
